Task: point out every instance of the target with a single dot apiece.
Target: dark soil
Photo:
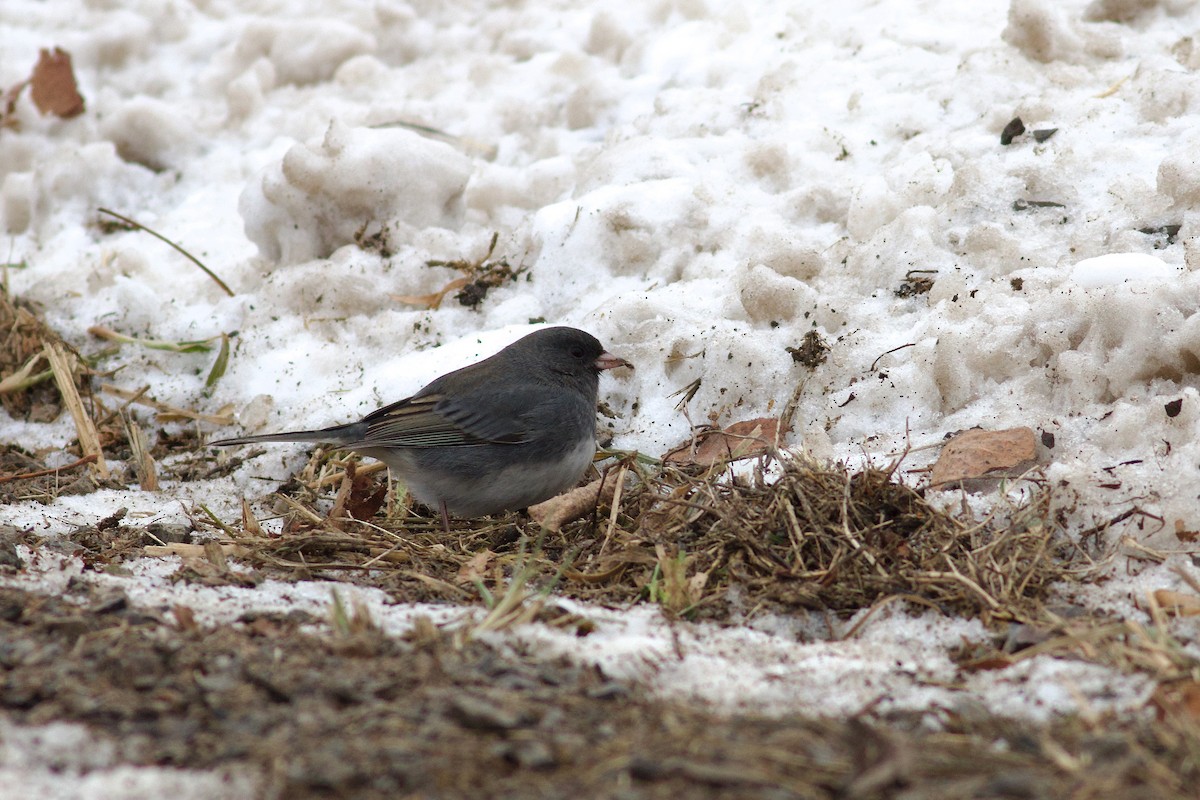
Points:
(364, 715)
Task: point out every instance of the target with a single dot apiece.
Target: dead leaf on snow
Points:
(745, 439)
(9, 109)
(976, 459)
(53, 85)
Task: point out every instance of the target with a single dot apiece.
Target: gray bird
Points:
(505, 433)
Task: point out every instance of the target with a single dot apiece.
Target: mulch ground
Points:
(359, 714)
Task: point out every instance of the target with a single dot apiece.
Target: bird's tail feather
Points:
(338, 434)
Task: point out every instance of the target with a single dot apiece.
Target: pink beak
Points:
(608, 361)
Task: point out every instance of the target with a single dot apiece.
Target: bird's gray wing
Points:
(437, 420)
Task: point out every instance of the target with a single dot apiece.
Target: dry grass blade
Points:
(172, 245)
(25, 377)
(184, 550)
(85, 428)
(432, 300)
(143, 461)
(165, 411)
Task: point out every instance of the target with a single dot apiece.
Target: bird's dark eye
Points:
(577, 352)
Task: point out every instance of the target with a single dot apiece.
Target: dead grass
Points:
(41, 377)
(824, 537)
(703, 544)
(27, 389)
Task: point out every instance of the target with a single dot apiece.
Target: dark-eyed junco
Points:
(510, 431)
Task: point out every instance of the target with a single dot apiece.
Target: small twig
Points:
(377, 528)
(886, 601)
(176, 247)
(795, 534)
(184, 550)
(110, 416)
(1110, 91)
(88, 459)
(336, 477)
(1100, 528)
(435, 582)
(466, 144)
(393, 555)
(1146, 553)
(886, 352)
(850, 537)
(789, 413)
(300, 509)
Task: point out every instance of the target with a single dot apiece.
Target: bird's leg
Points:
(445, 516)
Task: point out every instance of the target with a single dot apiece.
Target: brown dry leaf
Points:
(205, 564)
(365, 496)
(1191, 698)
(216, 555)
(743, 439)
(9, 110)
(1177, 698)
(357, 496)
(185, 618)
(475, 569)
(556, 512)
(53, 85)
(249, 521)
(1177, 603)
(975, 459)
